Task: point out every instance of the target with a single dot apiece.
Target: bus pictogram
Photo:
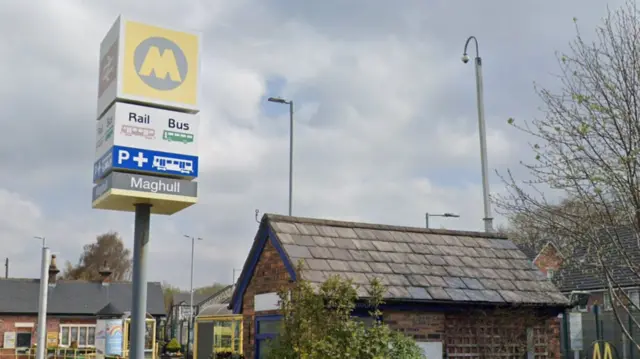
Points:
(172, 164)
(147, 133)
(173, 136)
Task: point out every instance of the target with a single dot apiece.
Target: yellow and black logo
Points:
(160, 65)
(600, 354)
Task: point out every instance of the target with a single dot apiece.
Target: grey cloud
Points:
(382, 78)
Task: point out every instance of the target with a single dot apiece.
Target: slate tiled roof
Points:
(74, 297)
(215, 309)
(415, 264)
(221, 296)
(581, 271)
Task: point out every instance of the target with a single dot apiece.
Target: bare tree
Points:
(108, 249)
(586, 153)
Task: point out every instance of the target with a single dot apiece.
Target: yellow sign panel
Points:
(597, 354)
(160, 64)
(52, 339)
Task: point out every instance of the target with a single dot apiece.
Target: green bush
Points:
(318, 324)
(174, 346)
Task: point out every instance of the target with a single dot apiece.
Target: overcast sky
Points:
(386, 121)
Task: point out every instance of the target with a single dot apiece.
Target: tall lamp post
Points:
(488, 219)
(290, 103)
(448, 215)
(44, 241)
(42, 301)
(193, 243)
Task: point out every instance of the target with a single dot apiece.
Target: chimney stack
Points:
(53, 270)
(105, 273)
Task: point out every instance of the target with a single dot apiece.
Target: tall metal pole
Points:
(42, 305)
(290, 155)
(139, 301)
(426, 220)
(488, 219)
(193, 241)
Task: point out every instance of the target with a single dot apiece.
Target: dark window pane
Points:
(91, 336)
(23, 340)
(269, 326)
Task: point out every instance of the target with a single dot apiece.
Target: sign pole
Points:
(139, 304)
(42, 305)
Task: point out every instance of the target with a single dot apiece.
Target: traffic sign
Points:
(145, 161)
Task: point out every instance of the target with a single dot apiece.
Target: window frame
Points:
(19, 348)
(77, 326)
(607, 304)
(260, 337)
(550, 273)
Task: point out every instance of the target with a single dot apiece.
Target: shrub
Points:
(173, 346)
(318, 324)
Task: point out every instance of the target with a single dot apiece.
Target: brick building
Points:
(582, 271)
(463, 294)
(71, 309)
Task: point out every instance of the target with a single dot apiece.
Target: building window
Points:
(582, 308)
(607, 305)
(267, 329)
(23, 340)
(84, 335)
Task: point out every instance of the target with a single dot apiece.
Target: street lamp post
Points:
(44, 241)
(448, 215)
(193, 242)
(290, 103)
(488, 219)
(42, 301)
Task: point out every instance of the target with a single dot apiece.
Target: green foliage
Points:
(210, 289)
(318, 324)
(173, 346)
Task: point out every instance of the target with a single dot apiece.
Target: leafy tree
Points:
(586, 152)
(108, 249)
(318, 324)
(168, 291)
(210, 289)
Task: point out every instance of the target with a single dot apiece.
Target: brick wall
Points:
(548, 258)
(269, 276)
(8, 324)
(421, 326)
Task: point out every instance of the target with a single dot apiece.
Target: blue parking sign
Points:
(145, 161)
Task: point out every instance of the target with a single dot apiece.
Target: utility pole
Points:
(42, 305)
(6, 268)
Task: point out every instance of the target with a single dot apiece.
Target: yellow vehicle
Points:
(217, 329)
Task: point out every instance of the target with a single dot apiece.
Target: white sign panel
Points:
(144, 139)
(266, 301)
(9, 340)
(147, 128)
(575, 331)
(100, 338)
